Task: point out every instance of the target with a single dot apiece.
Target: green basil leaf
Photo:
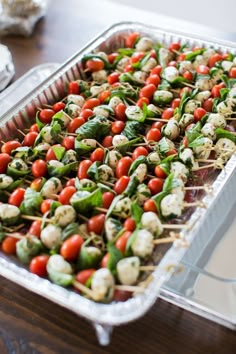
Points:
(132, 129)
(93, 172)
(163, 146)
(69, 230)
(221, 133)
(59, 151)
(95, 56)
(136, 212)
(61, 171)
(115, 256)
(84, 201)
(113, 204)
(96, 128)
(192, 55)
(197, 142)
(54, 205)
(158, 198)
(132, 186)
(31, 202)
(136, 163)
(193, 133)
(40, 124)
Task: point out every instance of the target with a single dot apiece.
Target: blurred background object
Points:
(7, 69)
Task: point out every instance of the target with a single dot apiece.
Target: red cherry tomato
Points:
(39, 168)
(121, 295)
(66, 194)
(215, 92)
(58, 106)
(141, 101)
(129, 69)
(4, 161)
(131, 39)
(172, 63)
(84, 275)
(117, 127)
(150, 205)
(73, 88)
(91, 103)
(153, 79)
(123, 165)
(121, 184)
(105, 260)
(187, 75)
(16, 197)
(122, 241)
(75, 124)
(112, 57)
(94, 64)
(214, 59)
(232, 73)
(153, 134)
(9, 146)
(112, 78)
(9, 245)
(129, 224)
(157, 125)
(175, 46)
(185, 142)
(159, 172)
(182, 57)
(136, 57)
(96, 224)
(120, 112)
(103, 96)
(208, 104)
(46, 115)
(139, 151)
(167, 113)
(199, 113)
(34, 128)
(86, 113)
(50, 155)
(175, 103)
(202, 69)
(45, 206)
(155, 185)
(30, 138)
(107, 141)
(147, 91)
(83, 168)
(70, 182)
(157, 70)
(107, 199)
(38, 265)
(68, 142)
(71, 247)
(35, 228)
(97, 155)
(171, 152)
(36, 184)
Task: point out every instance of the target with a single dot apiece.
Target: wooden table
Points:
(30, 324)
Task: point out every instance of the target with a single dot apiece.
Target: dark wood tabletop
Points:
(30, 324)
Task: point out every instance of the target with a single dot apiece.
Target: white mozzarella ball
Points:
(171, 129)
(103, 284)
(142, 245)
(149, 65)
(151, 222)
(203, 151)
(57, 263)
(208, 130)
(144, 44)
(217, 119)
(134, 113)
(224, 149)
(51, 187)
(89, 142)
(8, 211)
(119, 139)
(55, 163)
(191, 105)
(5, 181)
(101, 111)
(199, 60)
(208, 53)
(142, 194)
(185, 120)
(227, 65)
(162, 97)
(141, 172)
(122, 63)
(204, 84)
(203, 95)
(225, 106)
(170, 73)
(186, 156)
(179, 170)
(185, 65)
(76, 99)
(113, 158)
(95, 89)
(164, 56)
(103, 55)
(73, 110)
(140, 76)
(114, 101)
(70, 156)
(123, 207)
(64, 215)
(112, 227)
(178, 189)
(46, 135)
(99, 76)
(19, 164)
(171, 205)
(105, 173)
(42, 147)
(217, 76)
(153, 158)
(170, 143)
(51, 236)
(128, 270)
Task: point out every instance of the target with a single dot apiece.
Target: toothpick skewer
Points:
(30, 217)
(85, 290)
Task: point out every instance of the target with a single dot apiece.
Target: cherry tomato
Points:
(86, 113)
(185, 142)
(70, 182)
(16, 197)
(73, 88)
(159, 172)
(34, 128)
(50, 155)
(97, 155)
(9, 245)
(232, 73)
(153, 79)
(141, 101)
(214, 59)
(35, 228)
(215, 92)
(171, 152)
(121, 184)
(105, 260)
(129, 69)
(36, 184)
(96, 224)
(185, 90)
(107, 199)
(117, 127)
(175, 46)
(39, 168)
(182, 57)
(121, 295)
(150, 205)
(75, 124)
(68, 142)
(4, 161)
(103, 96)
(131, 39)
(155, 185)
(136, 57)
(84, 275)
(66, 194)
(30, 138)
(175, 103)
(91, 103)
(147, 91)
(38, 265)
(94, 64)
(187, 75)
(153, 134)
(139, 151)
(113, 77)
(208, 104)
(120, 112)
(129, 224)
(45, 206)
(123, 165)
(199, 113)
(202, 69)
(71, 247)
(122, 241)
(172, 63)
(107, 141)
(83, 168)
(112, 57)
(58, 106)
(46, 115)
(153, 54)
(167, 113)
(9, 146)
(157, 70)
(157, 125)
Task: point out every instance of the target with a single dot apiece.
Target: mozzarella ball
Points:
(51, 187)
(186, 156)
(5, 181)
(122, 63)
(162, 97)
(95, 90)
(216, 76)
(114, 101)
(179, 170)
(99, 76)
(208, 130)
(113, 158)
(170, 73)
(142, 194)
(217, 119)
(76, 99)
(203, 95)
(149, 65)
(185, 120)
(153, 158)
(42, 147)
(103, 284)
(123, 207)
(225, 106)
(185, 65)
(46, 135)
(64, 215)
(227, 65)
(73, 110)
(171, 206)
(119, 139)
(57, 263)
(55, 163)
(89, 142)
(171, 129)
(170, 143)
(128, 270)
(19, 164)
(178, 190)
(112, 227)
(105, 173)
(224, 149)
(144, 44)
(203, 151)
(140, 76)
(142, 245)
(69, 157)
(208, 53)
(101, 111)
(199, 60)
(134, 113)
(51, 236)
(9, 213)
(164, 56)
(191, 105)
(151, 222)
(141, 172)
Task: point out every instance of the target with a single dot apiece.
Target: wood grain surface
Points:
(30, 324)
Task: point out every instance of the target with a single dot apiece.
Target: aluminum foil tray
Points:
(21, 115)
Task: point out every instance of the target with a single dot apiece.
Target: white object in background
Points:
(7, 69)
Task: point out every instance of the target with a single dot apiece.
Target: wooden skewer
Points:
(206, 166)
(175, 226)
(15, 235)
(160, 241)
(20, 131)
(102, 210)
(189, 85)
(85, 290)
(158, 120)
(194, 204)
(109, 184)
(31, 217)
(130, 288)
(147, 268)
(83, 217)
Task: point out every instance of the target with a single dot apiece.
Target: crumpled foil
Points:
(20, 16)
(7, 69)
